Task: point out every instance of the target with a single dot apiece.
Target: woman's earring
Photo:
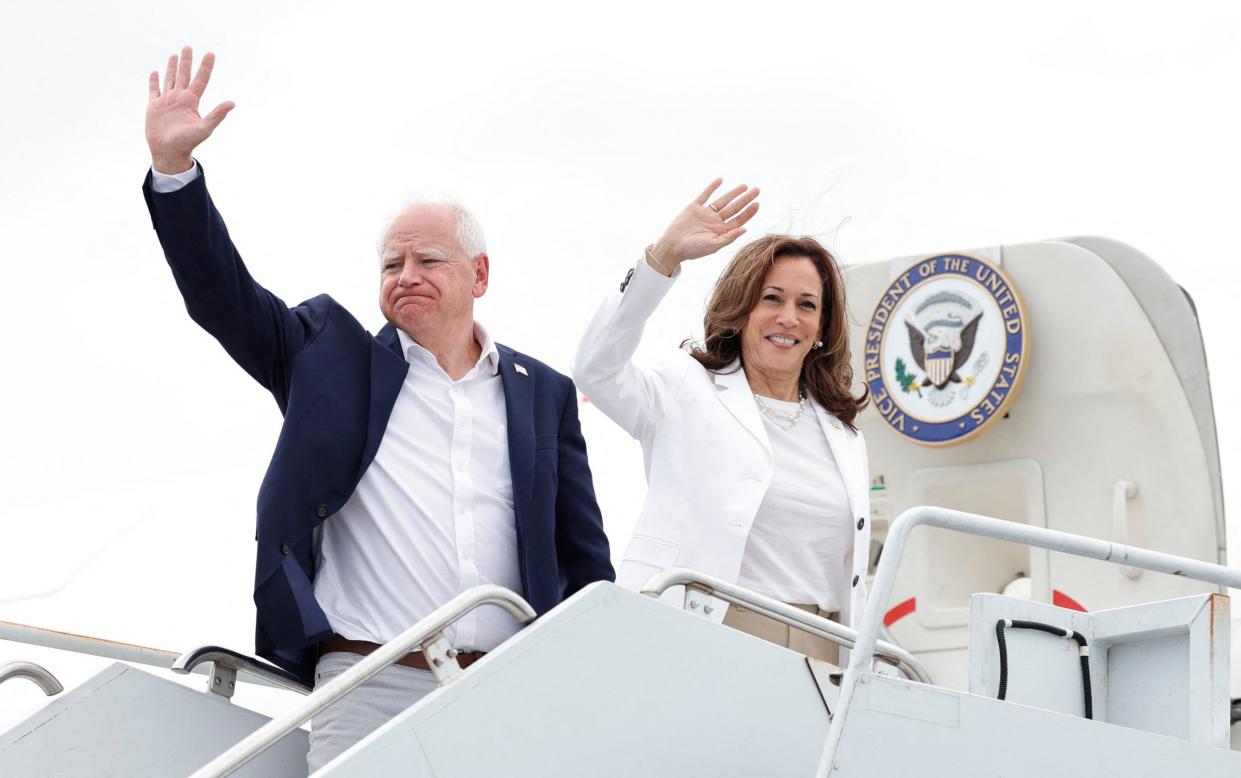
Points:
(817, 344)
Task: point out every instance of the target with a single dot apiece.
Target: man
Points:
(411, 465)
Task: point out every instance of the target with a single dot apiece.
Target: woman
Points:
(756, 473)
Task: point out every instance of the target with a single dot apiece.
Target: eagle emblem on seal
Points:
(946, 348)
(941, 336)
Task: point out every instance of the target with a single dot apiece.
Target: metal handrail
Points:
(782, 612)
(224, 666)
(82, 644)
(34, 673)
(999, 529)
(425, 633)
(107, 649)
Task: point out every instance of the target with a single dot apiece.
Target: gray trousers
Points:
(363, 710)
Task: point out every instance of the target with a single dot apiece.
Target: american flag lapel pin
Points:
(520, 369)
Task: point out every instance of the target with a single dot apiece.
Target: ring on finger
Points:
(712, 207)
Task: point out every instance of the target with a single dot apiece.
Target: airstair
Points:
(613, 682)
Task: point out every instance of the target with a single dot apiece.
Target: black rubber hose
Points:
(999, 639)
(1079, 638)
(1049, 629)
(1086, 686)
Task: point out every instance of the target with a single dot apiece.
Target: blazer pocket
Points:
(644, 557)
(546, 442)
(652, 551)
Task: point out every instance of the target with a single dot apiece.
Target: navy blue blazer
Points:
(336, 386)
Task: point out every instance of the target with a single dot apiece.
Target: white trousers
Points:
(363, 710)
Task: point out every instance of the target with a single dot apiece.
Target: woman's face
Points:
(785, 322)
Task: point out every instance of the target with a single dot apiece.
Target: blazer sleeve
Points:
(253, 325)
(632, 396)
(582, 550)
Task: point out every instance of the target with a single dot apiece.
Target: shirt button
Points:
(285, 548)
(861, 522)
(321, 511)
(855, 579)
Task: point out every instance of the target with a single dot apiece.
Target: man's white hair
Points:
(469, 232)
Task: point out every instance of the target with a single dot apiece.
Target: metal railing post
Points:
(224, 667)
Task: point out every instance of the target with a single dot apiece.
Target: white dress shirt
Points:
(433, 514)
(803, 529)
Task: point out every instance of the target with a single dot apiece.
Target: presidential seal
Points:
(946, 349)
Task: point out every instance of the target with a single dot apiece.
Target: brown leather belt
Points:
(415, 659)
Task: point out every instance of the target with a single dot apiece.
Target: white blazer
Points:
(708, 460)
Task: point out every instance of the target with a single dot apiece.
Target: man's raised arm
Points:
(173, 126)
(255, 327)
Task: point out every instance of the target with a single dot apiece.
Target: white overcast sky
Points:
(132, 447)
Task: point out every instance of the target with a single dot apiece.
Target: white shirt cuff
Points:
(164, 183)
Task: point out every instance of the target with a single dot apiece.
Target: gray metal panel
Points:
(125, 722)
(899, 728)
(1163, 651)
(1138, 698)
(610, 682)
(1176, 324)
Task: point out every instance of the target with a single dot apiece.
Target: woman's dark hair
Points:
(826, 374)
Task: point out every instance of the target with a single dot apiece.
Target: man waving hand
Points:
(411, 465)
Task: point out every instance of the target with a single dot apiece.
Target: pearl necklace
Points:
(783, 420)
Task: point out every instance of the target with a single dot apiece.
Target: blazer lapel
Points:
(844, 450)
(733, 390)
(388, 369)
(519, 410)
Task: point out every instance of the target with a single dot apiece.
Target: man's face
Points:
(426, 282)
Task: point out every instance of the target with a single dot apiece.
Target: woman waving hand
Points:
(756, 473)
